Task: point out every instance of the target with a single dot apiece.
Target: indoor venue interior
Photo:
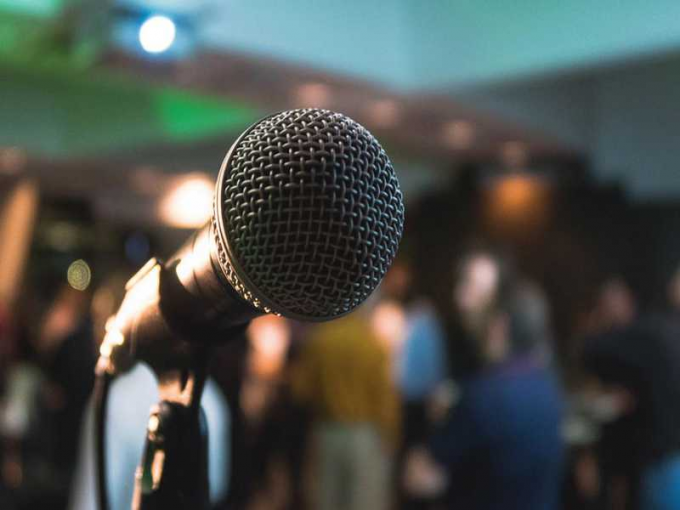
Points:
(490, 188)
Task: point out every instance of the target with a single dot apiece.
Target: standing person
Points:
(421, 366)
(343, 375)
(619, 449)
(638, 369)
(421, 370)
(501, 442)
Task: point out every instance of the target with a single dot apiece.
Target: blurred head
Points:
(480, 275)
(61, 318)
(518, 323)
(615, 307)
(389, 324)
(397, 282)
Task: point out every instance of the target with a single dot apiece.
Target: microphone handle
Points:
(170, 307)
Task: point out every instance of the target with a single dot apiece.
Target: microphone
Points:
(307, 218)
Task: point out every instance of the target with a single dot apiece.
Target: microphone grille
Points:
(309, 212)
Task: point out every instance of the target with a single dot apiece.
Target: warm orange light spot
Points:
(518, 201)
(269, 337)
(516, 193)
(389, 324)
(188, 204)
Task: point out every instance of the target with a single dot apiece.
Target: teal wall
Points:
(444, 44)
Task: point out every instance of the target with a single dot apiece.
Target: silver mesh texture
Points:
(312, 214)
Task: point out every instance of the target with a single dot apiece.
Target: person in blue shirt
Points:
(422, 361)
(501, 443)
(421, 369)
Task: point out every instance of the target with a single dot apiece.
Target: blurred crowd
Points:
(406, 403)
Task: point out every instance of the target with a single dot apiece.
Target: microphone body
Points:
(307, 218)
(170, 306)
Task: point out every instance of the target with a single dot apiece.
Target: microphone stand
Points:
(174, 468)
(155, 324)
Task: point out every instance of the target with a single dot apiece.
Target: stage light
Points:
(517, 192)
(459, 134)
(79, 275)
(384, 113)
(519, 203)
(313, 95)
(269, 338)
(389, 324)
(189, 202)
(157, 34)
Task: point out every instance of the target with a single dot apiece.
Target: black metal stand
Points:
(174, 469)
(172, 327)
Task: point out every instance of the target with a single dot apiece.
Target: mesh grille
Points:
(312, 213)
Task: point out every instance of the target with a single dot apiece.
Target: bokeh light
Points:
(79, 275)
(157, 34)
(459, 134)
(188, 204)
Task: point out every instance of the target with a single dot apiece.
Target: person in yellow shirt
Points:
(343, 374)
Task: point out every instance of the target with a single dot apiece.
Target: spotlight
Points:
(188, 204)
(384, 113)
(459, 134)
(157, 34)
(313, 95)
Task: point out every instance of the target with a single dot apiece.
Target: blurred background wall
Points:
(547, 127)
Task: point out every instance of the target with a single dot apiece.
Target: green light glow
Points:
(40, 8)
(62, 110)
(188, 117)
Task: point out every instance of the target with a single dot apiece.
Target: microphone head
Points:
(308, 214)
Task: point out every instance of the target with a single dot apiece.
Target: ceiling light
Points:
(313, 95)
(188, 204)
(384, 113)
(157, 34)
(459, 134)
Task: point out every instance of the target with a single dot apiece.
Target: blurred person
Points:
(615, 306)
(48, 387)
(280, 443)
(500, 441)
(67, 351)
(421, 369)
(275, 447)
(421, 366)
(343, 375)
(413, 334)
(18, 409)
(637, 369)
(618, 451)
